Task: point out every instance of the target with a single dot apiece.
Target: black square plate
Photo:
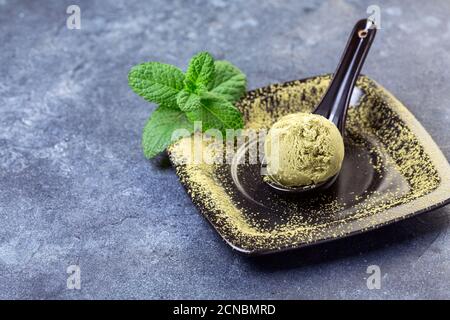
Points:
(392, 170)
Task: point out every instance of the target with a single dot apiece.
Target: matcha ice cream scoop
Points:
(303, 149)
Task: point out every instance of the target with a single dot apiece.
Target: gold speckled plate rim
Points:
(437, 198)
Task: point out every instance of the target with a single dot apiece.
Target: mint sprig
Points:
(206, 93)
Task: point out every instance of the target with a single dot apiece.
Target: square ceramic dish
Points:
(392, 170)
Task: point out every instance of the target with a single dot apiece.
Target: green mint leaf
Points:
(216, 113)
(188, 101)
(157, 82)
(200, 71)
(228, 81)
(158, 131)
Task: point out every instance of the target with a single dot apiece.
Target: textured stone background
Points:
(75, 188)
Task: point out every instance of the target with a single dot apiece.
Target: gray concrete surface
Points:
(75, 188)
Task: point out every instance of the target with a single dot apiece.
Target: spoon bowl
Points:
(279, 187)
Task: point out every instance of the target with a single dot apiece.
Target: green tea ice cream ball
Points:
(303, 149)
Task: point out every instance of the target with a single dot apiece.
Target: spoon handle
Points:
(335, 102)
